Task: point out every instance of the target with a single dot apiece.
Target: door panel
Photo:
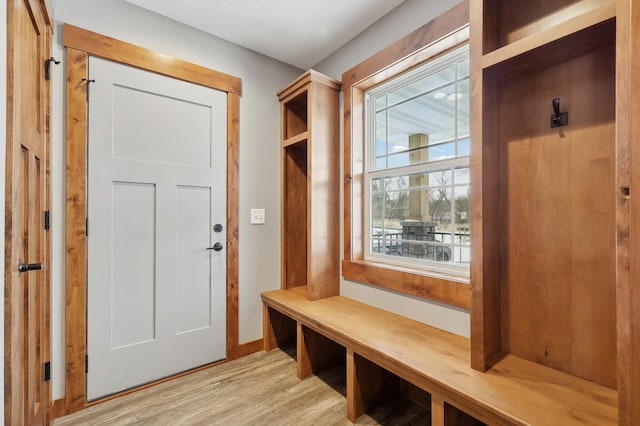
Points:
(133, 308)
(137, 129)
(27, 396)
(193, 224)
(157, 184)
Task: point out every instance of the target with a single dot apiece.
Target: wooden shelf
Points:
(568, 39)
(517, 23)
(302, 137)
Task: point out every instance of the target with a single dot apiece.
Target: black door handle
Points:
(26, 267)
(216, 247)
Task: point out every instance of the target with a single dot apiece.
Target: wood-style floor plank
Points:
(260, 389)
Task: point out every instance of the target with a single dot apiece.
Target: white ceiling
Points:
(299, 32)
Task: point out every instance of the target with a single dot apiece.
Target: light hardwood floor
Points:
(260, 389)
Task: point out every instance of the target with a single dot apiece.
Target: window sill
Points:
(449, 289)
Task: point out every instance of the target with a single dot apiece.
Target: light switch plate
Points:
(257, 217)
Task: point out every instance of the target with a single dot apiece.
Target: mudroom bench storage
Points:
(382, 347)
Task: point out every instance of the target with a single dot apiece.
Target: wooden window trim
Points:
(442, 34)
(80, 44)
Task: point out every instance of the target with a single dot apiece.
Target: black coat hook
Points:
(558, 118)
(87, 82)
(47, 67)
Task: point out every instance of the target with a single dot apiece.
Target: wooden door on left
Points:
(27, 243)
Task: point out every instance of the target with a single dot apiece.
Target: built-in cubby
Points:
(544, 198)
(370, 387)
(310, 184)
(295, 115)
(279, 329)
(456, 417)
(516, 23)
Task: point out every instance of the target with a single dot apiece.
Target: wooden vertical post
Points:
(76, 242)
(368, 385)
(437, 410)
(354, 402)
(303, 364)
(627, 172)
(315, 351)
(267, 330)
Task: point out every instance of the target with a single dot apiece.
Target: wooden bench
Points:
(379, 343)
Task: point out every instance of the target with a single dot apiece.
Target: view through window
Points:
(417, 179)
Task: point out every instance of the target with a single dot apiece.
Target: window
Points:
(411, 100)
(416, 180)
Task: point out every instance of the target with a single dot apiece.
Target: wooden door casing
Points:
(27, 345)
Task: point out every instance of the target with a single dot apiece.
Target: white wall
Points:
(410, 15)
(407, 17)
(261, 77)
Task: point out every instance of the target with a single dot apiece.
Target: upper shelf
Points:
(294, 116)
(565, 33)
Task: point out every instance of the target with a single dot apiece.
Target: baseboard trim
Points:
(250, 348)
(59, 408)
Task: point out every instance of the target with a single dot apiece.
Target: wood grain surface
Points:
(544, 200)
(261, 389)
(76, 242)
(557, 258)
(627, 208)
(129, 54)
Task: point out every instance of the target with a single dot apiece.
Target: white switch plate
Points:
(257, 217)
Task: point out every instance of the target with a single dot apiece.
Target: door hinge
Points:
(47, 220)
(86, 364)
(86, 227)
(47, 371)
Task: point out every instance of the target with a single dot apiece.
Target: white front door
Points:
(156, 190)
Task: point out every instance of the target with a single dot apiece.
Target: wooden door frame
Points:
(47, 18)
(80, 44)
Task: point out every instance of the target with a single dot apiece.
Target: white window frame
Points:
(431, 67)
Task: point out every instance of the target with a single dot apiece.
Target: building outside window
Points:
(417, 181)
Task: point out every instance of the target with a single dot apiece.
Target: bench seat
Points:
(514, 391)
